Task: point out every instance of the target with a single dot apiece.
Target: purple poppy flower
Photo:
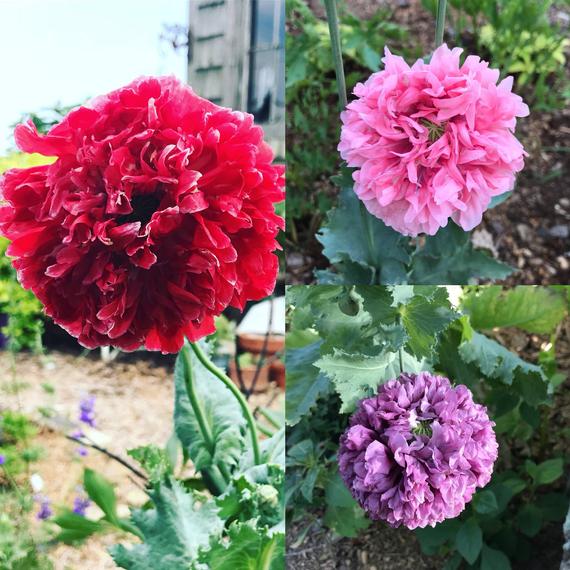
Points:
(415, 453)
(2, 459)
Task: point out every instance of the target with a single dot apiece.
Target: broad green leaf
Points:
(173, 531)
(352, 233)
(469, 540)
(154, 460)
(305, 383)
(424, 318)
(355, 376)
(248, 548)
(75, 527)
(431, 538)
(553, 506)
(102, 493)
(449, 257)
(346, 521)
(337, 494)
(492, 559)
(485, 502)
(533, 309)
(547, 471)
(529, 520)
(221, 413)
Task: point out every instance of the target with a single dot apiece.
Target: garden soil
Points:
(134, 405)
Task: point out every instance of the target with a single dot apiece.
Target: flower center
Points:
(435, 130)
(423, 427)
(144, 206)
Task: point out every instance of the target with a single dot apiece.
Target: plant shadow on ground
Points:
(380, 547)
(530, 231)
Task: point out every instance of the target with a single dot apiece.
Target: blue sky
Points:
(65, 51)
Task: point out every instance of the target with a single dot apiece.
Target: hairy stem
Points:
(211, 367)
(213, 477)
(334, 31)
(440, 22)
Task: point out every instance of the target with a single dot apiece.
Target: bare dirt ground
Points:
(381, 547)
(134, 403)
(531, 230)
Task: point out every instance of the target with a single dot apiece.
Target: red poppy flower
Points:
(156, 216)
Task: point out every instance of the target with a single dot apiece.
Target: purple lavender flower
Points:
(87, 410)
(415, 453)
(80, 504)
(44, 511)
(82, 451)
(2, 459)
(78, 434)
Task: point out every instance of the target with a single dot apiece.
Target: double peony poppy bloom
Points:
(157, 214)
(433, 141)
(415, 453)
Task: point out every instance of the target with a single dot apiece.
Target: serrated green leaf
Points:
(492, 559)
(247, 548)
(305, 383)
(173, 531)
(102, 493)
(355, 376)
(375, 245)
(424, 319)
(469, 540)
(533, 309)
(221, 412)
(258, 494)
(449, 257)
(495, 361)
(154, 460)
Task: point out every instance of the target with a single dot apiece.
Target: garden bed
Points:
(134, 399)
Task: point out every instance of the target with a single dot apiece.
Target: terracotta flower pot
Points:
(277, 373)
(251, 342)
(248, 374)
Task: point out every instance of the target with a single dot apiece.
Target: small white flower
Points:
(36, 482)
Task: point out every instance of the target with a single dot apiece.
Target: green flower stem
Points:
(401, 358)
(334, 31)
(440, 22)
(211, 367)
(267, 555)
(213, 476)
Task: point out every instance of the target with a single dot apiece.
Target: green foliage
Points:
(312, 107)
(232, 515)
(355, 337)
(76, 528)
(379, 255)
(16, 442)
(218, 444)
(19, 548)
(25, 325)
(173, 530)
(520, 41)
